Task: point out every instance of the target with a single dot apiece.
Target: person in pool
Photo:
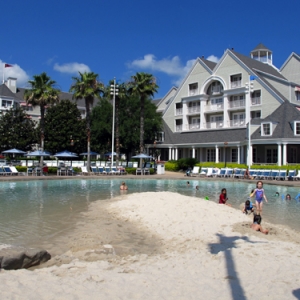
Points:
(256, 224)
(259, 193)
(123, 186)
(223, 197)
(288, 197)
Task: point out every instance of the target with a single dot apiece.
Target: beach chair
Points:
(222, 172)
(62, 171)
(215, 172)
(114, 171)
(71, 172)
(242, 174)
(94, 170)
(297, 177)
(209, 172)
(265, 174)
(258, 174)
(195, 171)
(229, 173)
(106, 170)
(253, 173)
(138, 171)
(100, 171)
(237, 173)
(146, 171)
(122, 170)
(281, 175)
(273, 174)
(84, 171)
(7, 170)
(203, 172)
(291, 175)
(14, 170)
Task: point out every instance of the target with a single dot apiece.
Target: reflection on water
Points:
(36, 211)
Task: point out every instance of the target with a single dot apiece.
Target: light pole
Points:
(114, 90)
(225, 147)
(249, 90)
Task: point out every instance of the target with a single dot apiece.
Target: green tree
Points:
(17, 130)
(42, 93)
(142, 85)
(87, 87)
(64, 128)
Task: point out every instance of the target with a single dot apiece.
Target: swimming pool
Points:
(32, 212)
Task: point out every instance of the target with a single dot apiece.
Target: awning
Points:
(24, 104)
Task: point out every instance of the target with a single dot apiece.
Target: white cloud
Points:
(16, 72)
(71, 68)
(213, 58)
(170, 66)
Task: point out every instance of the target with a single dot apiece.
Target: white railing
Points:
(256, 101)
(193, 126)
(178, 128)
(236, 84)
(218, 106)
(237, 123)
(237, 103)
(193, 92)
(211, 125)
(178, 111)
(195, 109)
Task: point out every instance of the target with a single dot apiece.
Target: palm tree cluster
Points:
(43, 93)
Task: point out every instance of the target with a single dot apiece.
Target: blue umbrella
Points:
(38, 153)
(65, 154)
(91, 153)
(14, 151)
(142, 155)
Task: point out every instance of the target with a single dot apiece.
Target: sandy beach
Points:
(164, 246)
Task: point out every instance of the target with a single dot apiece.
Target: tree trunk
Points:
(88, 129)
(142, 113)
(42, 126)
(117, 131)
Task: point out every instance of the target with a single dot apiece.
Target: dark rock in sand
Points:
(13, 258)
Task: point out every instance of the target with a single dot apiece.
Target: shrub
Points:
(171, 166)
(185, 163)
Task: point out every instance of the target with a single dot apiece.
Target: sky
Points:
(119, 38)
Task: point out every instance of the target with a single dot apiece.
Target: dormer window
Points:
(297, 128)
(297, 95)
(266, 129)
(193, 89)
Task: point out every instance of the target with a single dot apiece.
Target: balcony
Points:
(178, 111)
(194, 109)
(214, 107)
(193, 92)
(237, 104)
(178, 128)
(193, 126)
(212, 125)
(237, 123)
(256, 101)
(236, 84)
(216, 90)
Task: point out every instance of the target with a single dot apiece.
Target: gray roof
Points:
(260, 46)
(204, 137)
(209, 63)
(6, 92)
(282, 116)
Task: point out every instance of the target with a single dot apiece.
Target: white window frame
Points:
(240, 118)
(297, 96)
(262, 129)
(193, 89)
(256, 112)
(234, 79)
(211, 154)
(296, 123)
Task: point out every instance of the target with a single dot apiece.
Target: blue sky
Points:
(119, 38)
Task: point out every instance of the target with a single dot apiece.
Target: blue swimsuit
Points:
(259, 194)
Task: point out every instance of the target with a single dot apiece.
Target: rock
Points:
(13, 260)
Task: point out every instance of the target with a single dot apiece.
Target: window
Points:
(193, 89)
(293, 155)
(254, 155)
(160, 137)
(216, 122)
(7, 104)
(194, 107)
(211, 155)
(272, 155)
(178, 125)
(256, 114)
(194, 123)
(238, 120)
(297, 128)
(234, 155)
(297, 94)
(178, 109)
(266, 129)
(236, 81)
(256, 98)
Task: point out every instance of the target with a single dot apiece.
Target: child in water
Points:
(259, 193)
(256, 225)
(223, 197)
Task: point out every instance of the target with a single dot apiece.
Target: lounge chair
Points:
(237, 173)
(84, 171)
(146, 171)
(195, 171)
(100, 171)
(281, 175)
(14, 171)
(94, 170)
(7, 170)
(138, 171)
(222, 173)
(297, 177)
(265, 174)
(229, 173)
(203, 172)
(215, 172)
(209, 172)
(291, 175)
(273, 174)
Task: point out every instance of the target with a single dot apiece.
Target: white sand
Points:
(165, 246)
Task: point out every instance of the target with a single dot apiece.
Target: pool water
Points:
(32, 212)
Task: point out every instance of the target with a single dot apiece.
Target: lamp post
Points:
(114, 90)
(225, 146)
(249, 90)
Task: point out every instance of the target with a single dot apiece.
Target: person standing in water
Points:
(223, 197)
(123, 186)
(259, 193)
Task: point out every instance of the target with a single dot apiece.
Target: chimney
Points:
(11, 83)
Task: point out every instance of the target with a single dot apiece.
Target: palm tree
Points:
(144, 86)
(87, 87)
(41, 93)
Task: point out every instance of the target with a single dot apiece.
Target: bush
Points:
(132, 171)
(185, 163)
(21, 169)
(171, 166)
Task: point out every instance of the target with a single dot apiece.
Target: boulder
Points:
(13, 258)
